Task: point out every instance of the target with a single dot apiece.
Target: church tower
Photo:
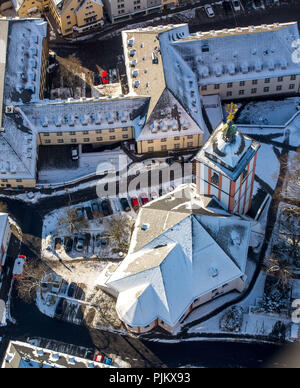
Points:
(225, 166)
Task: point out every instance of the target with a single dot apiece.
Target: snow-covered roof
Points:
(237, 54)
(23, 61)
(185, 252)
(213, 108)
(24, 355)
(168, 119)
(83, 3)
(87, 114)
(228, 158)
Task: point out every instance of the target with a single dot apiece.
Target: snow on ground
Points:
(267, 158)
(269, 112)
(89, 163)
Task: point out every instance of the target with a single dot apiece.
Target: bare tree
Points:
(289, 228)
(33, 275)
(119, 229)
(278, 268)
(70, 69)
(72, 221)
(292, 189)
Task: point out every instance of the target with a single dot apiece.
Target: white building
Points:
(185, 251)
(5, 234)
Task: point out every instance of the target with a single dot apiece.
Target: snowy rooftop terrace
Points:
(4, 24)
(231, 55)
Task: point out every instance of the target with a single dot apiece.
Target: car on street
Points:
(144, 198)
(59, 308)
(106, 207)
(105, 78)
(75, 154)
(68, 244)
(170, 161)
(135, 204)
(236, 5)
(80, 244)
(89, 213)
(209, 10)
(19, 267)
(71, 290)
(125, 204)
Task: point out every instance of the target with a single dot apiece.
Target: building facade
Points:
(225, 168)
(119, 10)
(74, 15)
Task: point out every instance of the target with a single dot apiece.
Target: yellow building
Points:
(25, 8)
(76, 15)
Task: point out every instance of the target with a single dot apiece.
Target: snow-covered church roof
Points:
(185, 251)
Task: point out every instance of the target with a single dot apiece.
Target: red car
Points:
(135, 203)
(105, 78)
(18, 266)
(144, 199)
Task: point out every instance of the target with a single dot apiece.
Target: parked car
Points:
(236, 5)
(152, 163)
(113, 76)
(258, 3)
(132, 148)
(170, 161)
(209, 10)
(144, 198)
(89, 213)
(71, 290)
(68, 244)
(103, 359)
(249, 4)
(97, 79)
(226, 5)
(153, 195)
(79, 212)
(95, 208)
(19, 267)
(75, 154)
(80, 244)
(135, 204)
(125, 204)
(106, 207)
(104, 77)
(59, 308)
